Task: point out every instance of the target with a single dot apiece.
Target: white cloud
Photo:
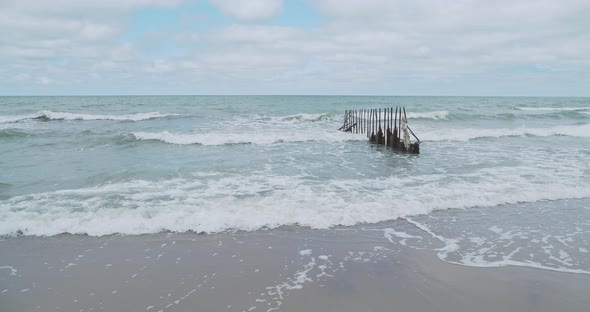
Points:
(76, 6)
(250, 10)
(97, 32)
(45, 80)
(253, 33)
(369, 46)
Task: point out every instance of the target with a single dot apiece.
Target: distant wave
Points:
(317, 117)
(554, 109)
(50, 115)
(311, 117)
(12, 134)
(436, 115)
(476, 133)
(307, 135)
(258, 138)
(249, 202)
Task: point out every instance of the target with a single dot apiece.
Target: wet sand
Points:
(286, 269)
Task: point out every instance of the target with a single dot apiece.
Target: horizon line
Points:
(318, 95)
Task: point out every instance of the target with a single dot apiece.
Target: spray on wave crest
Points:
(245, 137)
(50, 115)
(216, 202)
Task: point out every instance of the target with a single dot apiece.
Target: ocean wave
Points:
(16, 118)
(47, 115)
(466, 134)
(224, 202)
(253, 137)
(307, 135)
(554, 109)
(309, 117)
(436, 115)
(338, 117)
(8, 134)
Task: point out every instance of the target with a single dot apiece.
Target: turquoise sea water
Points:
(493, 171)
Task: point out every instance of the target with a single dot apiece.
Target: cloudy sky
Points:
(368, 47)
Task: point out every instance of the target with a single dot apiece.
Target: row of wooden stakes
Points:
(383, 126)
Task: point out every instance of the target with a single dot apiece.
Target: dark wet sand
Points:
(287, 269)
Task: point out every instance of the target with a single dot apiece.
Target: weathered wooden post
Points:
(377, 126)
(380, 131)
(358, 128)
(372, 138)
(383, 127)
(366, 124)
(388, 136)
(352, 121)
(399, 129)
(345, 117)
(364, 121)
(361, 120)
(394, 129)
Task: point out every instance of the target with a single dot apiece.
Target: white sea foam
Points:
(429, 115)
(259, 137)
(246, 137)
(514, 247)
(389, 233)
(277, 293)
(12, 269)
(311, 117)
(254, 201)
(466, 134)
(15, 118)
(50, 115)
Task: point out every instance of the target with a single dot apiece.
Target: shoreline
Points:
(286, 269)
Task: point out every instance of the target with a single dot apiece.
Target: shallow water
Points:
(517, 168)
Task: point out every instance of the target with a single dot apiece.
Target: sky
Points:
(315, 47)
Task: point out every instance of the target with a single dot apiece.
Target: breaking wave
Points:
(12, 134)
(254, 137)
(50, 115)
(272, 137)
(436, 115)
(467, 134)
(219, 202)
(554, 109)
(311, 117)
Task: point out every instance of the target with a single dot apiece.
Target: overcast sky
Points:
(368, 47)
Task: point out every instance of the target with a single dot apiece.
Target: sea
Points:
(500, 181)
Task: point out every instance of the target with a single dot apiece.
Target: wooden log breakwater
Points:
(383, 126)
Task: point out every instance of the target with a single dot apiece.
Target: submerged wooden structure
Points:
(383, 126)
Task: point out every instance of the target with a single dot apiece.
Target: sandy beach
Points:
(286, 269)
(294, 156)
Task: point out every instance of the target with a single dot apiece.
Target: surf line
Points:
(383, 127)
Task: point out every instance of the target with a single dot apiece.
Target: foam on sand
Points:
(515, 247)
